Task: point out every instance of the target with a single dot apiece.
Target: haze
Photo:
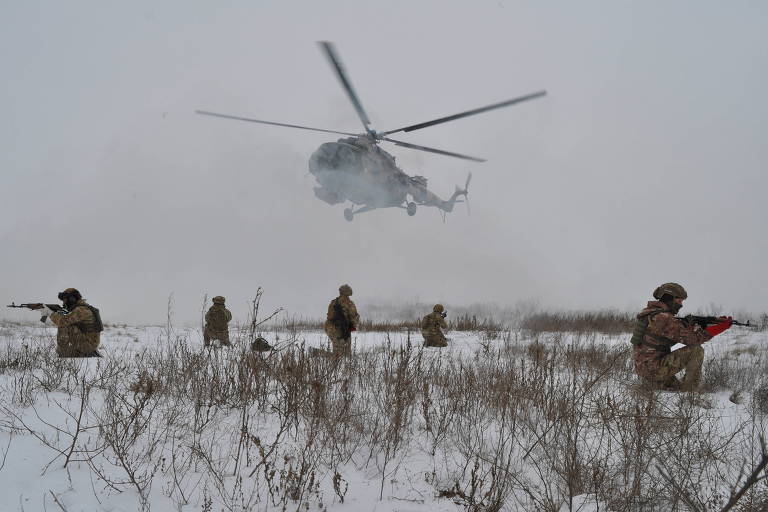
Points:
(645, 162)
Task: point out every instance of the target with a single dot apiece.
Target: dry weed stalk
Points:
(521, 423)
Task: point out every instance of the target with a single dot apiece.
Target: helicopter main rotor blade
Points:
(433, 150)
(467, 113)
(335, 61)
(238, 118)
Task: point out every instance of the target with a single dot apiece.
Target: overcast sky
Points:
(645, 163)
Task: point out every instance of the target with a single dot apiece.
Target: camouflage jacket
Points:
(432, 323)
(349, 311)
(77, 334)
(217, 318)
(664, 330)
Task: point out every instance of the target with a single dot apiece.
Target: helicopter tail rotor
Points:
(466, 193)
(462, 192)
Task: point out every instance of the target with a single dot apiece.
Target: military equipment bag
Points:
(641, 327)
(96, 326)
(340, 320)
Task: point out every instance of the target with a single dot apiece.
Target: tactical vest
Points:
(641, 331)
(641, 328)
(96, 326)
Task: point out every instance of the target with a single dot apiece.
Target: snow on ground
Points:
(39, 417)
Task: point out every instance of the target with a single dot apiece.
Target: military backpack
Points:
(340, 320)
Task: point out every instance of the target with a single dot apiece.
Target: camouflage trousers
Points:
(690, 359)
(342, 346)
(434, 340)
(75, 352)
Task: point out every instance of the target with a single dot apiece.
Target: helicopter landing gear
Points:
(348, 214)
(411, 209)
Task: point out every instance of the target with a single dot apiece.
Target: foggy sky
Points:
(645, 163)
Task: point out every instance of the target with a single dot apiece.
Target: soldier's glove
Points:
(714, 330)
(45, 312)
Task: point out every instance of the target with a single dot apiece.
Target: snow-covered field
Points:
(496, 421)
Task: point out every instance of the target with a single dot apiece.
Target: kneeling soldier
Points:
(658, 329)
(79, 326)
(431, 327)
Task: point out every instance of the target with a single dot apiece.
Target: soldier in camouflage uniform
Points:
(432, 325)
(216, 320)
(341, 320)
(658, 330)
(79, 326)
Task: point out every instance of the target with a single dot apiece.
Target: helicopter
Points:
(358, 170)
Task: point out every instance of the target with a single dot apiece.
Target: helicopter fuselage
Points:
(356, 170)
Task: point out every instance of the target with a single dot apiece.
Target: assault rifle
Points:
(705, 321)
(38, 305)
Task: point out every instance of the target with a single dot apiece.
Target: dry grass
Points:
(523, 423)
(605, 322)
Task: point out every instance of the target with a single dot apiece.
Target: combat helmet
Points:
(673, 289)
(70, 292)
(438, 308)
(345, 289)
(218, 299)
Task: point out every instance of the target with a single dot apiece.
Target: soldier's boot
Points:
(693, 364)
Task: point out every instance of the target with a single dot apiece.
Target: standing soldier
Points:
(216, 320)
(342, 319)
(432, 325)
(79, 326)
(658, 329)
